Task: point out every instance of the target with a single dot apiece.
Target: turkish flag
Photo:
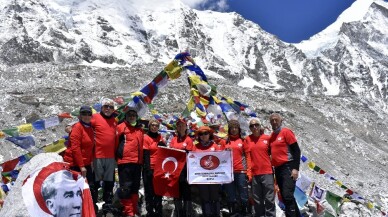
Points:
(168, 167)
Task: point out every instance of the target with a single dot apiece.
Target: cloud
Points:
(214, 5)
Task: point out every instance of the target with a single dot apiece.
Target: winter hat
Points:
(85, 109)
(233, 123)
(203, 129)
(107, 101)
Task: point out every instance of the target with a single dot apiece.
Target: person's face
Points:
(131, 116)
(107, 109)
(68, 129)
(154, 127)
(234, 131)
(276, 121)
(86, 117)
(181, 128)
(254, 126)
(66, 203)
(204, 136)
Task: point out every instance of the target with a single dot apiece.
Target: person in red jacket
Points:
(105, 140)
(261, 169)
(209, 193)
(68, 155)
(81, 149)
(152, 140)
(241, 170)
(285, 155)
(130, 161)
(182, 141)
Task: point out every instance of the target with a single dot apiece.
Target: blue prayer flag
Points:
(38, 125)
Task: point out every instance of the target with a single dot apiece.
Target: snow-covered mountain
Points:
(332, 89)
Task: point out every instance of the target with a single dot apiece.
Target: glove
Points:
(249, 174)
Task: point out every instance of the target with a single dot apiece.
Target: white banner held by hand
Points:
(210, 167)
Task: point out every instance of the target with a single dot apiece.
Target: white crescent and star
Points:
(167, 159)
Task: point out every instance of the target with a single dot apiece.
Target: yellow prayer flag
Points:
(216, 100)
(369, 205)
(154, 111)
(57, 146)
(194, 92)
(2, 135)
(25, 128)
(311, 165)
(229, 100)
(204, 101)
(137, 93)
(194, 80)
(190, 104)
(171, 65)
(338, 182)
(200, 113)
(174, 73)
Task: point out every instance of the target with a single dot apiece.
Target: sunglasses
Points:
(131, 115)
(154, 125)
(204, 133)
(86, 114)
(108, 106)
(254, 125)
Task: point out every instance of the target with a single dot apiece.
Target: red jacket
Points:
(212, 147)
(259, 148)
(134, 142)
(240, 152)
(279, 144)
(68, 155)
(151, 144)
(82, 144)
(105, 136)
(185, 143)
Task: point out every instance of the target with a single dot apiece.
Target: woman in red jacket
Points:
(241, 170)
(81, 149)
(209, 193)
(152, 140)
(130, 160)
(182, 141)
(262, 180)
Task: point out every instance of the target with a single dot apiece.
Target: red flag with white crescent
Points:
(168, 167)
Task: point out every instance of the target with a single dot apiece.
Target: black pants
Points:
(287, 188)
(183, 204)
(129, 179)
(209, 194)
(153, 201)
(91, 181)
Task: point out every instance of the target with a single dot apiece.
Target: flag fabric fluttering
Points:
(168, 167)
(300, 197)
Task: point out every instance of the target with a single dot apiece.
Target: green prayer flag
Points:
(186, 113)
(11, 131)
(328, 214)
(334, 200)
(317, 169)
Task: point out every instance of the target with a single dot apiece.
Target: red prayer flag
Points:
(8, 167)
(168, 167)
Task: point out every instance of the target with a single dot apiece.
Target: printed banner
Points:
(210, 167)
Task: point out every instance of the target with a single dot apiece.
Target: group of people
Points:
(98, 144)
